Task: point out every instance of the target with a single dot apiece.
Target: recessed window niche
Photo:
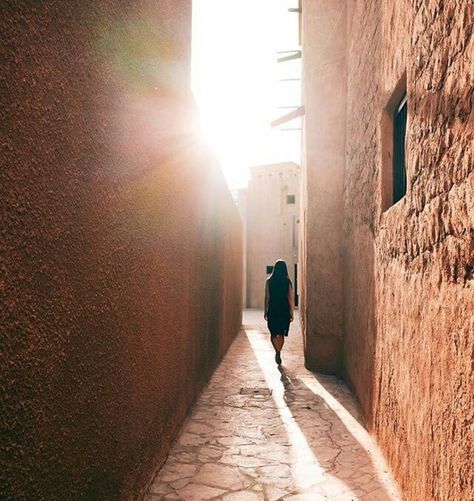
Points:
(394, 129)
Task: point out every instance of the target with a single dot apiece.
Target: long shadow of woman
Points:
(341, 448)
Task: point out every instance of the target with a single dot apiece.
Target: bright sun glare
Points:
(236, 83)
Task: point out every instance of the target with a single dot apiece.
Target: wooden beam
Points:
(299, 112)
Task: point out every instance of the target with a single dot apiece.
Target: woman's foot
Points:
(278, 358)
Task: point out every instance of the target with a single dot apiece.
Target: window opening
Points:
(290, 199)
(394, 128)
(269, 269)
(399, 143)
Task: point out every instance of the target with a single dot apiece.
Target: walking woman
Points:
(279, 306)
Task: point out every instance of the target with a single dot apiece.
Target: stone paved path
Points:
(302, 441)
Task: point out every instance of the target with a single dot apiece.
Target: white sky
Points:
(235, 81)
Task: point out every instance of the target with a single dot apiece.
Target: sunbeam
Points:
(236, 81)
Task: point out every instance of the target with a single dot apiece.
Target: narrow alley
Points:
(159, 158)
(259, 431)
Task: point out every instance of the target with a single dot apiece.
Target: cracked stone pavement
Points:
(304, 441)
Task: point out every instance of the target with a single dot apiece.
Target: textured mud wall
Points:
(362, 200)
(323, 166)
(121, 246)
(409, 301)
(408, 293)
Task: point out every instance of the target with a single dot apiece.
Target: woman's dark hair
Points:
(280, 273)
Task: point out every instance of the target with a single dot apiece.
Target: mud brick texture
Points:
(413, 315)
(407, 298)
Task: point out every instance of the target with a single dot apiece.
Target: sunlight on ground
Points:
(358, 432)
(243, 441)
(236, 84)
(305, 466)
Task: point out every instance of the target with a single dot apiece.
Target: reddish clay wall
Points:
(121, 247)
(361, 192)
(408, 301)
(323, 168)
(408, 297)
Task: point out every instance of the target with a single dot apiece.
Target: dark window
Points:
(269, 269)
(399, 136)
(290, 199)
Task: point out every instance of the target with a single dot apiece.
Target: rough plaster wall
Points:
(121, 247)
(323, 169)
(360, 206)
(408, 281)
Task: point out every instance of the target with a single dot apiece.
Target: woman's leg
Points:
(274, 340)
(278, 342)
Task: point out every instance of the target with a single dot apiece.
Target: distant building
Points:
(270, 209)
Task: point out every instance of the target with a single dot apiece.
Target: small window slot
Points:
(399, 151)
